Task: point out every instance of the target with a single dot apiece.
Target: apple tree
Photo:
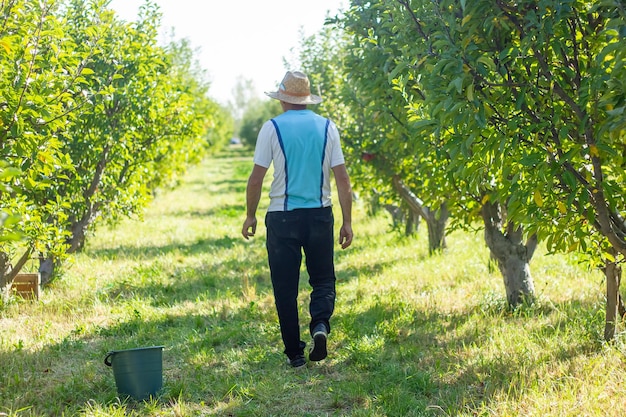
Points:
(39, 95)
(525, 104)
(94, 117)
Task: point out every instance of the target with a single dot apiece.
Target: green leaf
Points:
(9, 173)
(488, 62)
(4, 44)
(570, 180)
(457, 84)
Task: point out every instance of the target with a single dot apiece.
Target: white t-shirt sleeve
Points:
(263, 148)
(336, 155)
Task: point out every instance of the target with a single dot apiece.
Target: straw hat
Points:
(295, 89)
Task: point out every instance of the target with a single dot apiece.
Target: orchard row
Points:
(94, 116)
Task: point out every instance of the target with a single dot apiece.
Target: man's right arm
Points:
(344, 191)
(253, 196)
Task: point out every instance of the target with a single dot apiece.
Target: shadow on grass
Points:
(223, 268)
(148, 253)
(224, 211)
(207, 352)
(225, 277)
(389, 357)
(418, 362)
(236, 186)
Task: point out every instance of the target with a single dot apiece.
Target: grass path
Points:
(413, 335)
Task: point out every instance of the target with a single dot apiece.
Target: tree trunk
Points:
(613, 273)
(436, 220)
(79, 229)
(46, 269)
(80, 225)
(404, 216)
(397, 216)
(412, 223)
(436, 224)
(4, 272)
(510, 253)
(75, 243)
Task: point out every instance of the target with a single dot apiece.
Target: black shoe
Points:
(319, 351)
(297, 362)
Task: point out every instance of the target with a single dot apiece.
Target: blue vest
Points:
(302, 135)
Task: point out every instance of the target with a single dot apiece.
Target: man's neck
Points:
(290, 106)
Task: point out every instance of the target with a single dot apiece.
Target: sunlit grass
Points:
(413, 334)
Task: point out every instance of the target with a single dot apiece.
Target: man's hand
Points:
(345, 235)
(249, 227)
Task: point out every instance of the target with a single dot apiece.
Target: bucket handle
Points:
(107, 360)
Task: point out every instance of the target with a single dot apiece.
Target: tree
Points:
(256, 113)
(383, 40)
(525, 103)
(41, 92)
(97, 116)
(148, 120)
(244, 95)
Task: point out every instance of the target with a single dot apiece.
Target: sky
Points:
(239, 38)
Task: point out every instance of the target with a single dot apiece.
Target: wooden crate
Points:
(27, 285)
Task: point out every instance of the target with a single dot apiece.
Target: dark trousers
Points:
(290, 233)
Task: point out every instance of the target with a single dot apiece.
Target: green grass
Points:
(413, 335)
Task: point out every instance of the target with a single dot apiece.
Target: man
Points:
(304, 147)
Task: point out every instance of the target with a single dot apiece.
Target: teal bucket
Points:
(138, 372)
